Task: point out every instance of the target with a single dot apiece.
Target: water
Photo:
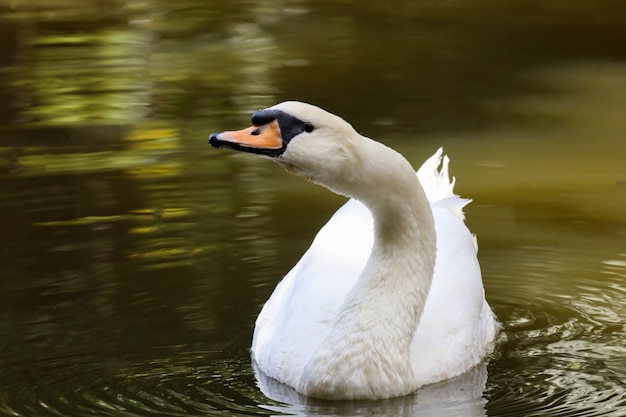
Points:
(136, 258)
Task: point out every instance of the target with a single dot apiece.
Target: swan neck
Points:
(378, 319)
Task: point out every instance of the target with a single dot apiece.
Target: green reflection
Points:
(135, 258)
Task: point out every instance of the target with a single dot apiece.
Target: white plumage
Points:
(358, 315)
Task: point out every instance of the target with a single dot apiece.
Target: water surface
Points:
(136, 258)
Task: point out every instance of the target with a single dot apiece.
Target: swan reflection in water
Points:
(461, 396)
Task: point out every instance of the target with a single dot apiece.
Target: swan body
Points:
(389, 297)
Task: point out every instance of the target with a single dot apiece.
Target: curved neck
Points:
(376, 323)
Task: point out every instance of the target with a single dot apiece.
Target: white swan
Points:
(367, 313)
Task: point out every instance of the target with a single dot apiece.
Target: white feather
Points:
(298, 325)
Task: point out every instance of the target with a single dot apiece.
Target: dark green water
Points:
(135, 258)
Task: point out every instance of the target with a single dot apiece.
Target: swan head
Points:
(303, 139)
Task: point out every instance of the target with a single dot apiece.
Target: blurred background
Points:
(135, 258)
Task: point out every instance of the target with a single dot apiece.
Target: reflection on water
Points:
(460, 396)
(563, 348)
(135, 258)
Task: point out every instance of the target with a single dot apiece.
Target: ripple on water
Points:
(563, 348)
(181, 383)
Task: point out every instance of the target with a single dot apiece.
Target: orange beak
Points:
(264, 139)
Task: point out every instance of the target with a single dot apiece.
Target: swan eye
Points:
(308, 127)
